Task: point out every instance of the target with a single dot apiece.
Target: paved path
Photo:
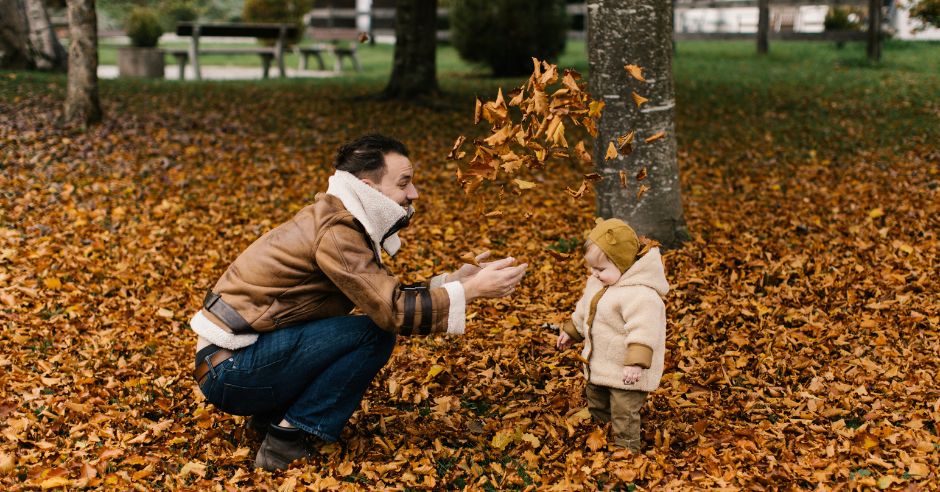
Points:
(222, 72)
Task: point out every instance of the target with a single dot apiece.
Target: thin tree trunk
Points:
(639, 33)
(874, 30)
(81, 104)
(414, 70)
(763, 26)
(27, 38)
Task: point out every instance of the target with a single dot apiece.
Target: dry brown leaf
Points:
(638, 99)
(641, 191)
(641, 174)
(611, 152)
(656, 136)
(635, 72)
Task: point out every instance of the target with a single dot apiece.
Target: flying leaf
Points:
(595, 108)
(582, 154)
(611, 152)
(643, 189)
(494, 213)
(638, 99)
(363, 37)
(558, 255)
(656, 136)
(625, 142)
(469, 257)
(454, 155)
(641, 174)
(477, 111)
(524, 185)
(623, 179)
(592, 177)
(635, 72)
(577, 194)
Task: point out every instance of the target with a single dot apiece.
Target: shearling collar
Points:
(378, 213)
(649, 271)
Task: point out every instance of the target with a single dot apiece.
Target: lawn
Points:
(803, 320)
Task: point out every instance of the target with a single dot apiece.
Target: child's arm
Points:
(645, 327)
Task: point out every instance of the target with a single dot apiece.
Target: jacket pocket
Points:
(301, 311)
(242, 400)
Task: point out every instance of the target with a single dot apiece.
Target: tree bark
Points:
(763, 26)
(81, 103)
(27, 38)
(638, 32)
(874, 30)
(414, 70)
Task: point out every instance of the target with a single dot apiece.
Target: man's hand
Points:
(497, 279)
(564, 340)
(467, 271)
(631, 374)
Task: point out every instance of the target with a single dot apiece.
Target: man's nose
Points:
(412, 193)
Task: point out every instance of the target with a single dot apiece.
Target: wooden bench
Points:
(332, 30)
(280, 33)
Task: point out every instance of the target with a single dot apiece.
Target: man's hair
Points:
(365, 156)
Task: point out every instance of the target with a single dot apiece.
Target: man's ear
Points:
(369, 182)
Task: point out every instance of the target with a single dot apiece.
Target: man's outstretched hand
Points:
(496, 279)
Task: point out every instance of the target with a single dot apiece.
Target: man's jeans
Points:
(313, 374)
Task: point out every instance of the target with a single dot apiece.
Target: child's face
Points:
(601, 267)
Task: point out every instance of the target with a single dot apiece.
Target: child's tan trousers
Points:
(622, 408)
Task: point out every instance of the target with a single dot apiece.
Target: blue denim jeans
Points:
(313, 374)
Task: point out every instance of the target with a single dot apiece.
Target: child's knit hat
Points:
(617, 240)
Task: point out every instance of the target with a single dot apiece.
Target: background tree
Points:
(639, 35)
(414, 69)
(81, 104)
(27, 40)
(506, 34)
(927, 12)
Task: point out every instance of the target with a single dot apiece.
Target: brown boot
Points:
(280, 447)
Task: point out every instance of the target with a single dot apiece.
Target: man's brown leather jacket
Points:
(321, 264)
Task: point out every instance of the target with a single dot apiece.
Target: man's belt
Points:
(205, 363)
(215, 305)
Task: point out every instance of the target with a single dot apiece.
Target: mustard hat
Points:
(617, 240)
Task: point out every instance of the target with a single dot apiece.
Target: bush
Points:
(506, 34)
(176, 11)
(842, 19)
(143, 27)
(927, 12)
(279, 11)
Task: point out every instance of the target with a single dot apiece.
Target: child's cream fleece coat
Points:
(629, 325)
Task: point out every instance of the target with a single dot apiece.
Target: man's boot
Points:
(280, 447)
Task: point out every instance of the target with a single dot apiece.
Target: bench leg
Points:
(181, 62)
(303, 60)
(320, 61)
(266, 64)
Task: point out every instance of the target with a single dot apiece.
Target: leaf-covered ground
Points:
(803, 321)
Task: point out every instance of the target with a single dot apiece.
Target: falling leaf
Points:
(363, 37)
(641, 174)
(577, 194)
(876, 212)
(494, 213)
(623, 179)
(593, 177)
(477, 111)
(643, 189)
(582, 154)
(524, 185)
(635, 72)
(656, 136)
(638, 99)
(625, 143)
(611, 152)
(454, 155)
(557, 254)
(470, 258)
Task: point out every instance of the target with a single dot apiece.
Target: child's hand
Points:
(631, 374)
(564, 340)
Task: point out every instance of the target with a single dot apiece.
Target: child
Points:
(622, 320)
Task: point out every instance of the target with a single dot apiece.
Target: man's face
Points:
(397, 182)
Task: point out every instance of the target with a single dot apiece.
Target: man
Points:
(276, 340)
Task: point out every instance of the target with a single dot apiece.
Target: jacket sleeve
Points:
(350, 263)
(575, 326)
(645, 324)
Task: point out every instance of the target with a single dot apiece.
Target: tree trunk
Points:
(27, 39)
(640, 33)
(763, 26)
(874, 30)
(414, 70)
(81, 103)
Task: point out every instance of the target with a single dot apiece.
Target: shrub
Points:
(280, 11)
(143, 27)
(176, 11)
(506, 34)
(841, 19)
